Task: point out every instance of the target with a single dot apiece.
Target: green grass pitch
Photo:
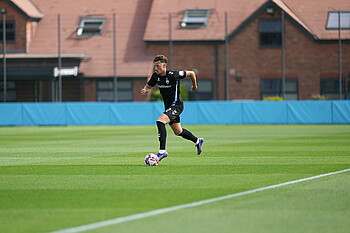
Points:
(54, 178)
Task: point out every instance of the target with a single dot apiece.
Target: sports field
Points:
(56, 178)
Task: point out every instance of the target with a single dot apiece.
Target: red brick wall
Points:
(200, 57)
(89, 90)
(20, 25)
(307, 59)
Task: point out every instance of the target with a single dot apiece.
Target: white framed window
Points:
(195, 18)
(90, 27)
(334, 17)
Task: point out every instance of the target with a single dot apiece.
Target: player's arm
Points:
(151, 82)
(193, 78)
(145, 89)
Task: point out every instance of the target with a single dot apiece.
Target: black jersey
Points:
(169, 86)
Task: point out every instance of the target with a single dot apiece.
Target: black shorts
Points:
(174, 113)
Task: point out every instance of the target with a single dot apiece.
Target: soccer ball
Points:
(151, 160)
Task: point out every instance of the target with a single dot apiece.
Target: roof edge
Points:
(184, 41)
(81, 56)
(27, 8)
(281, 4)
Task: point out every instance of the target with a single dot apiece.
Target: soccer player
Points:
(168, 82)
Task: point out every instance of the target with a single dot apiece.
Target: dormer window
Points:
(195, 18)
(91, 27)
(336, 17)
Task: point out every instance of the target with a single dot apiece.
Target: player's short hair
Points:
(161, 58)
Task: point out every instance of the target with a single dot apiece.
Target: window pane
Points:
(205, 86)
(91, 27)
(105, 90)
(204, 92)
(330, 88)
(88, 31)
(333, 20)
(264, 95)
(195, 18)
(291, 85)
(124, 95)
(105, 85)
(270, 39)
(331, 96)
(124, 85)
(105, 96)
(10, 96)
(329, 85)
(270, 85)
(197, 12)
(270, 32)
(273, 87)
(9, 85)
(10, 30)
(291, 96)
(270, 25)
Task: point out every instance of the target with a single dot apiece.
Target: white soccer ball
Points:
(151, 160)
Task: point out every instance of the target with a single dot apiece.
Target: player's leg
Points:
(186, 134)
(161, 123)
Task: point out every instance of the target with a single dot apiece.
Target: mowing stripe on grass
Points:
(188, 205)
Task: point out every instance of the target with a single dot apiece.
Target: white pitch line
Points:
(184, 206)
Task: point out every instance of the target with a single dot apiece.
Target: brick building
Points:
(236, 48)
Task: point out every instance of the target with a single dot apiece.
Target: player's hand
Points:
(195, 87)
(144, 91)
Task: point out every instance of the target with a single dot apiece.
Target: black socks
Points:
(188, 135)
(161, 135)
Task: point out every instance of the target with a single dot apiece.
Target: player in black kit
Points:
(169, 85)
